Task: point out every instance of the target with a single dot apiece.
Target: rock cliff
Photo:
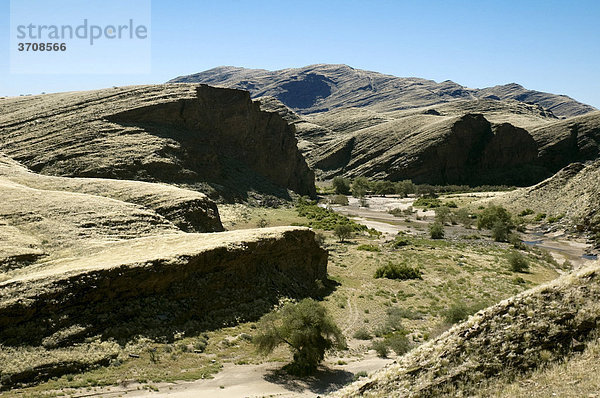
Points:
(194, 135)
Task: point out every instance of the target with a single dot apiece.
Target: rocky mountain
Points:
(323, 87)
(210, 139)
(352, 123)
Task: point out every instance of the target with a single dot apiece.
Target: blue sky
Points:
(548, 45)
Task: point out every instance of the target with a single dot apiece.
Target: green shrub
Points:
(341, 186)
(343, 232)
(400, 241)
(462, 216)
(493, 215)
(500, 231)
(452, 204)
(360, 374)
(516, 242)
(442, 214)
(362, 334)
(460, 311)
(398, 271)
(398, 342)
(321, 218)
(340, 200)
(368, 248)
(360, 187)
(381, 348)
(436, 230)
(428, 203)
(526, 212)
(540, 216)
(518, 262)
(306, 328)
(397, 212)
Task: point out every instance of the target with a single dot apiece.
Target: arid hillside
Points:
(210, 139)
(358, 123)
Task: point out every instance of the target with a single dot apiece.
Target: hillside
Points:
(89, 265)
(323, 87)
(358, 123)
(213, 140)
(536, 328)
(573, 194)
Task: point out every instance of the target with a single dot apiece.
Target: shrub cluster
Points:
(398, 271)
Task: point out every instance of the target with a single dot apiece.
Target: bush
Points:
(368, 248)
(321, 218)
(540, 216)
(343, 232)
(516, 242)
(429, 203)
(436, 230)
(500, 231)
(398, 271)
(341, 186)
(442, 214)
(451, 204)
(381, 348)
(362, 334)
(526, 212)
(462, 216)
(397, 212)
(457, 313)
(400, 241)
(518, 262)
(340, 200)
(306, 328)
(398, 342)
(493, 215)
(360, 187)
(262, 223)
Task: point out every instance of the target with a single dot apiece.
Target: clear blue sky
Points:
(547, 45)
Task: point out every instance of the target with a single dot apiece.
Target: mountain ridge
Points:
(321, 87)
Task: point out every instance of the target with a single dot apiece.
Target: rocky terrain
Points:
(358, 123)
(214, 140)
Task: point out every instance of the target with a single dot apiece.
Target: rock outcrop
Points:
(86, 263)
(193, 135)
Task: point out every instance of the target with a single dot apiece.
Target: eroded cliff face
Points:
(194, 135)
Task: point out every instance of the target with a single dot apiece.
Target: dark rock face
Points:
(240, 278)
(192, 135)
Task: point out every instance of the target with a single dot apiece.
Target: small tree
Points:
(343, 232)
(500, 231)
(436, 230)
(341, 186)
(306, 328)
(360, 186)
(442, 214)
